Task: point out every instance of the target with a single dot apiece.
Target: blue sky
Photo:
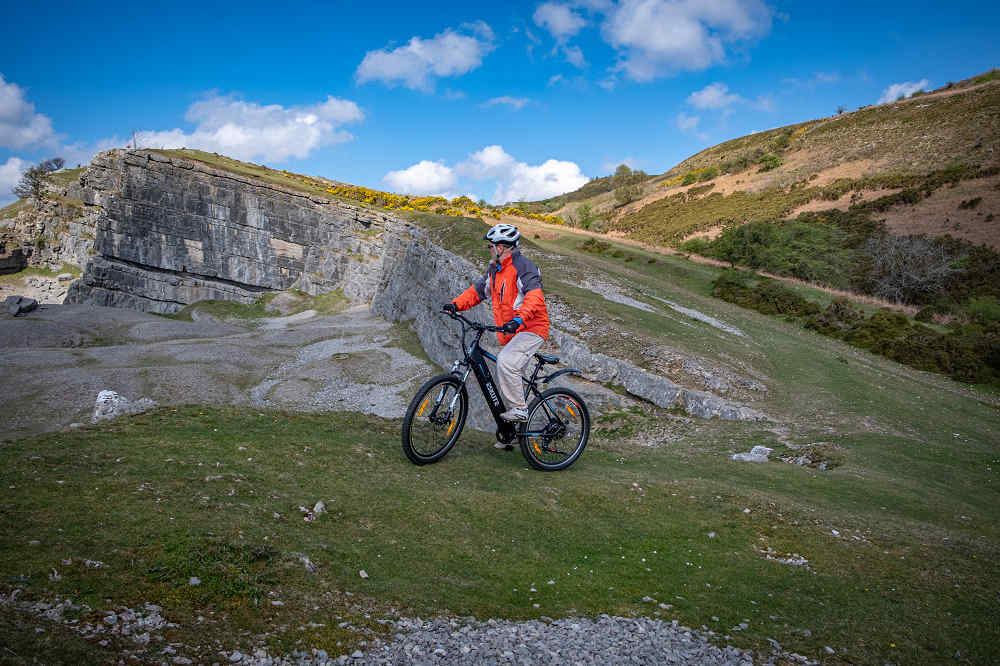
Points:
(501, 101)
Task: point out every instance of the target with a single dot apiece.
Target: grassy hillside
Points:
(898, 529)
(832, 162)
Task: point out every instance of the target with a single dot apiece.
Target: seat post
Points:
(538, 366)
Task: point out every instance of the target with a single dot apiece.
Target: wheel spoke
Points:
(434, 420)
(557, 430)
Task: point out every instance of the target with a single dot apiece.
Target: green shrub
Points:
(809, 250)
(984, 310)
(970, 204)
(837, 318)
(697, 245)
(761, 294)
(769, 162)
(594, 246)
(689, 178)
(709, 173)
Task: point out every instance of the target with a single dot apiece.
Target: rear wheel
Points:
(435, 419)
(556, 431)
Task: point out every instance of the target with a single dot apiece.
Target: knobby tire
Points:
(430, 430)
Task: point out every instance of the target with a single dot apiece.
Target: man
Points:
(514, 286)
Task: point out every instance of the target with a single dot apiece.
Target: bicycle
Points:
(552, 438)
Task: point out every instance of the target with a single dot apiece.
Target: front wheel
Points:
(556, 431)
(435, 419)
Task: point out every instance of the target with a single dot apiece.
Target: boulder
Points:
(756, 454)
(111, 405)
(19, 305)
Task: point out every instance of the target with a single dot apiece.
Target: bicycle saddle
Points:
(547, 358)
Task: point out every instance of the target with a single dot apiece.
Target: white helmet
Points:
(503, 233)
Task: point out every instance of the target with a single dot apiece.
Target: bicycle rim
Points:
(557, 430)
(434, 420)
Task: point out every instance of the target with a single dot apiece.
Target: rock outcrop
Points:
(172, 232)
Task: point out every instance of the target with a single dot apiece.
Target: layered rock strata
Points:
(173, 232)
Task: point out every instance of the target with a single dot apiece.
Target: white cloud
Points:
(687, 123)
(660, 37)
(517, 103)
(247, 130)
(490, 162)
(512, 180)
(574, 56)
(10, 174)
(560, 20)
(518, 181)
(905, 89)
(20, 126)
(765, 103)
(417, 64)
(713, 96)
(424, 177)
(530, 183)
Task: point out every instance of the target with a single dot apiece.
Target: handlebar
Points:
(474, 324)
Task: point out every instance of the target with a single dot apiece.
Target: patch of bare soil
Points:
(850, 170)
(843, 203)
(708, 234)
(950, 210)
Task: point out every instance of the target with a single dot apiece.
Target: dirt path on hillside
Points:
(548, 231)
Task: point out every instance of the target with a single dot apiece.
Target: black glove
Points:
(450, 308)
(512, 325)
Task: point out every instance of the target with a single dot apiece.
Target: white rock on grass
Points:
(110, 405)
(756, 454)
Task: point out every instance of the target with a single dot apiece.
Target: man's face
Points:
(497, 250)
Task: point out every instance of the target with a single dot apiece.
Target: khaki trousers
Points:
(510, 362)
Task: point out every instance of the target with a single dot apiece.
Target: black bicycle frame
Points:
(475, 360)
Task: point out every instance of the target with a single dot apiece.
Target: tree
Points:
(32, 183)
(626, 184)
(907, 269)
(585, 216)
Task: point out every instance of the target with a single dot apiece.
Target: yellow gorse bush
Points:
(461, 206)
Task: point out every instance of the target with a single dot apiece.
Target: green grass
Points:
(11, 210)
(41, 272)
(256, 171)
(170, 494)
(66, 176)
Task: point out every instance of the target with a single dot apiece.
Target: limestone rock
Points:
(173, 232)
(756, 454)
(19, 305)
(111, 405)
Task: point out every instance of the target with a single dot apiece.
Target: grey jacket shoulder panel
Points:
(528, 275)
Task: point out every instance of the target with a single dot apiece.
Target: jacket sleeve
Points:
(472, 296)
(534, 301)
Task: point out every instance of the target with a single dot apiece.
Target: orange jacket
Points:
(515, 289)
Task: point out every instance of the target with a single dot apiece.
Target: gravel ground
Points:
(577, 640)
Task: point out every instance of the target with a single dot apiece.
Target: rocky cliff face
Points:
(172, 232)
